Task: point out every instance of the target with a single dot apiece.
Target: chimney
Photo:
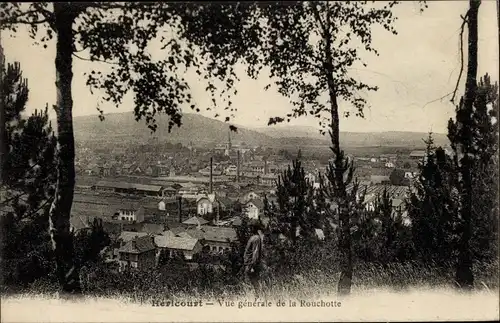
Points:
(217, 217)
(265, 167)
(238, 168)
(179, 208)
(211, 184)
(134, 243)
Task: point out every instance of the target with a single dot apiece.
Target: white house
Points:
(389, 164)
(254, 208)
(132, 214)
(207, 204)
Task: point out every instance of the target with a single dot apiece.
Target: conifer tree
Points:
(295, 209)
(482, 166)
(27, 183)
(395, 243)
(433, 207)
(461, 134)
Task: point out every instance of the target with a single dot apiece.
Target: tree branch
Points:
(440, 98)
(25, 22)
(94, 60)
(25, 216)
(318, 18)
(462, 28)
(14, 19)
(6, 202)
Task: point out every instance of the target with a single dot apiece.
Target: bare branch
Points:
(462, 28)
(438, 99)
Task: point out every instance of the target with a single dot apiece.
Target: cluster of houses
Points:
(142, 234)
(139, 242)
(209, 223)
(143, 249)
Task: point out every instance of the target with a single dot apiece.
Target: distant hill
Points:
(202, 130)
(195, 128)
(356, 139)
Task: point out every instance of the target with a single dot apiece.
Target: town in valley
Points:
(160, 198)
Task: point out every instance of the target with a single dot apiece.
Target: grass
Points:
(396, 292)
(396, 278)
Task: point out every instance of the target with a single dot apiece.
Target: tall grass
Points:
(311, 284)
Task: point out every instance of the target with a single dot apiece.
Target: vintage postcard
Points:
(252, 161)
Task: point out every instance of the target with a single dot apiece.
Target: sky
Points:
(415, 72)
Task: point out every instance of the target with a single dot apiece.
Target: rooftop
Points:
(211, 233)
(175, 242)
(195, 220)
(127, 236)
(138, 245)
(257, 202)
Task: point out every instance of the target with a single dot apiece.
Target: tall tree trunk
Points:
(3, 130)
(344, 284)
(60, 211)
(464, 275)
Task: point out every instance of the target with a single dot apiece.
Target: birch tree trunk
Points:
(60, 211)
(344, 284)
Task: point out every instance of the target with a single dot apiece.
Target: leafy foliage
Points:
(294, 40)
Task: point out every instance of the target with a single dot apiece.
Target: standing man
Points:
(253, 257)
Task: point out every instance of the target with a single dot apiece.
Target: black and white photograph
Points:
(253, 161)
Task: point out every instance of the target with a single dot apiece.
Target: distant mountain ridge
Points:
(357, 139)
(201, 130)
